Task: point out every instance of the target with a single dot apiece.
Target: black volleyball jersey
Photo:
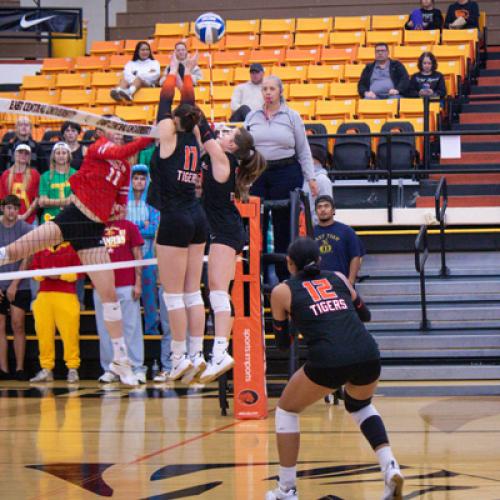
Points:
(218, 198)
(324, 314)
(173, 179)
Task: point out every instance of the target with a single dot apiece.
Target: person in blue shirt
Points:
(339, 245)
(147, 219)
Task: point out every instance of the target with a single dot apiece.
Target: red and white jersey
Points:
(104, 177)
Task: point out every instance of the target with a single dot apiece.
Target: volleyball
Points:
(209, 28)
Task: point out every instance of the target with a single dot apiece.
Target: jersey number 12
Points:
(319, 289)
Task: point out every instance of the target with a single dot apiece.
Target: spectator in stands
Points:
(69, 133)
(248, 96)
(22, 180)
(124, 243)
(427, 81)
(279, 135)
(319, 155)
(384, 78)
(181, 54)
(22, 136)
(427, 17)
(55, 190)
(57, 306)
(15, 296)
(462, 14)
(142, 71)
(338, 243)
(146, 218)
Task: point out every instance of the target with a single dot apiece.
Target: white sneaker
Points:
(73, 376)
(162, 376)
(124, 370)
(43, 375)
(393, 482)
(141, 377)
(278, 494)
(108, 378)
(179, 367)
(216, 367)
(198, 366)
(116, 95)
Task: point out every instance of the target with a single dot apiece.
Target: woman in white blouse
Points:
(142, 71)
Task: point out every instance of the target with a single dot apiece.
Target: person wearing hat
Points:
(319, 155)
(339, 245)
(15, 295)
(22, 180)
(22, 136)
(248, 96)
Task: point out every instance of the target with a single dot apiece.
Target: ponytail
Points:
(311, 270)
(304, 252)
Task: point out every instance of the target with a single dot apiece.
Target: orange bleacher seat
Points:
(196, 44)
(267, 56)
(178, 30)
(392, 22)
(222, 93)
(91, 63)
(349, 38)
(344, 91)
(102, 97)
(409, 53)
(277, 26)
(230, 58)
(118, 61)
(57, 64)
(351, 23)
(241, 75)
(105, 79)
(414, 108)
(276, 40)
(244, 41)
(392, 37)
(313, 24)
(221, 111)
(147, 95)
(450, 71)
(98, 110)
(459, 36)
(311, 39)
(325, 73)
(302, 56)
(340, 109)
(31, 82)
(421, 37)
(45, 96)
(482, 20)
(411, 67)
(342, 55)
(203, 58)
(331, 128)
(73, 80)
(219, 76)
(366, 55)
(242, 26)
(74, 97)
(202, 93)
(106, 47)
(129, 45)
(300, 91)
(306, 109)
(377, 108)
(352, 72)
(452, 53)
(168, 44)
(135, 114)
(290, 74)
(164, 59)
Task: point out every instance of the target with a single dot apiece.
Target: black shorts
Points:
(21, 300)
(181, 229)
(78, 229)
(336, 376)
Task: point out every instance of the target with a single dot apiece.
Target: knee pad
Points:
(286, 422)
(173, 301)
(352, 405)
(111, 311)
(220, 301)
(193, 299)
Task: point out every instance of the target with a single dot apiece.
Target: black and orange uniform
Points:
(224, 219)
(172, 190)
(340, 348)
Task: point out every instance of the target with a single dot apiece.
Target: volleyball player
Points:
(229, 169)
(182, 232)
(100, 184)
(329, 313)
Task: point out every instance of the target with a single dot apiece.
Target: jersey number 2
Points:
(319, 289)
(190, 158)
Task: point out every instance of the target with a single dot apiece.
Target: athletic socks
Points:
(195, 345)
(119, 349)
(287, 477)
(220, 347)
(132, 90)
(385, 457)
(178, 348)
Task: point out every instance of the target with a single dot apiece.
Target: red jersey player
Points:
(100, 184)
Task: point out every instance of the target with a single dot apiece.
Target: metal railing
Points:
(442, 194)
(421, 255)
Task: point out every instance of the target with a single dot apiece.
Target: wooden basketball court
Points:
(163, 442)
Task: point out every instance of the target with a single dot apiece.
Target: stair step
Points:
(442, 286)
(486, 90)
(482, 107)
(442, 372)
(491, 71)
(428, 188)
(493, 64)
(444, 325)
(424, 341)
(474, 157)
(461, 201)
(470, 178)
(481, 118)
(436, 298)
(488, 80)
(477, 126)
(435, 313)
(479, 146)
(487, 140)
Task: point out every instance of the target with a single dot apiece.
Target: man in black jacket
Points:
(384, 78)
